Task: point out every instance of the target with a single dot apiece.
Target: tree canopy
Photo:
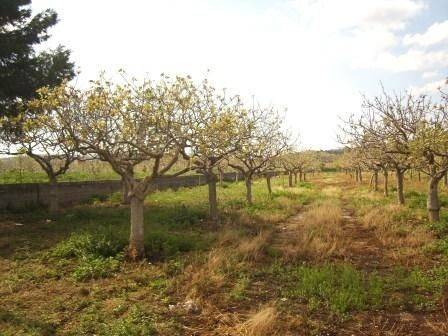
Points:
(22, 69)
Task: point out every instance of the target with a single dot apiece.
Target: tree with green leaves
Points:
(22, 69)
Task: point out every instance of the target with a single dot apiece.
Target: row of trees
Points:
(400, 133)
(159, 123)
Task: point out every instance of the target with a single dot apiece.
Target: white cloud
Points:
(436, 34)
(430, 74)
(293, 54)
(346, 14)
(431, 88)
(412, 60)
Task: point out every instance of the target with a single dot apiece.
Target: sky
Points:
(313, 57)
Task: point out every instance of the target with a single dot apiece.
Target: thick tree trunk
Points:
(136, 241)
(290, 179)
(213, 199)
(400, 181)
(248, 181)
(53, 206)
(125, 199)
(419, 177)
(375, 180)
(304, 177)
(432, 203)
(268, 183)
(300, 176)
(295, 178)
(386, 182)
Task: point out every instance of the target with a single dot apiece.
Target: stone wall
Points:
(21, 196)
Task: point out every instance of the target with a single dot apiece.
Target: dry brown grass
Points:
(202, 279)
(262, 323)
(253, 248)
(319, 233)
(392, 231)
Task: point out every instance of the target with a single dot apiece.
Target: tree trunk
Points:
(411, 174)
(248, 181)
(268, 182)
(356, 175)
(400, 194)
(295, 178)
(290, 179)
(236, 176)
(136, 241)
(53, 206)
(419, 177)
(213, 199)
(221, 178)
(360, 175)
(445, 179)
(371, 181)
(304, 177)
(386, 182)
(375, 180)
(432, 203)
(300, 176)
(125, 199)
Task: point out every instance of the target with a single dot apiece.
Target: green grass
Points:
(338, 288)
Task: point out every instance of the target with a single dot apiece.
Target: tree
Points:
(430, 151)
(22, 70)
(217, 127)
(265, 141)
(43, 136)
(127, 124)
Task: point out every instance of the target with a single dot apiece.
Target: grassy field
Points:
(326, 257)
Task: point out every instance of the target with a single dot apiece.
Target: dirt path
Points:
(366, 253)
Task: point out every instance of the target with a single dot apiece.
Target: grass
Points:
(338, 288)
(321, 257)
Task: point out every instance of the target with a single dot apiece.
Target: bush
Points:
(87, 244)
(91, 267)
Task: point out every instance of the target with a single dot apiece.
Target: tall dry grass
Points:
(319, 233)
(261, 323)
(393, 229)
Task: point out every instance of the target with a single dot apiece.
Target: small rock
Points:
(18, 224)
(48, 221)
(191, 306)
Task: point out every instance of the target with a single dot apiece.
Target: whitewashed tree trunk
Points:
(136, 240)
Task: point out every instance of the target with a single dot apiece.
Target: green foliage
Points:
(85, 244)
(416, 200)
(338, 288)
(98, 255)
(163, 244)
(135, 323)
(239, 289)
(91, 267)
(22, 70)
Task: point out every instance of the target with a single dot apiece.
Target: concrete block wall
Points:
(21, 196)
